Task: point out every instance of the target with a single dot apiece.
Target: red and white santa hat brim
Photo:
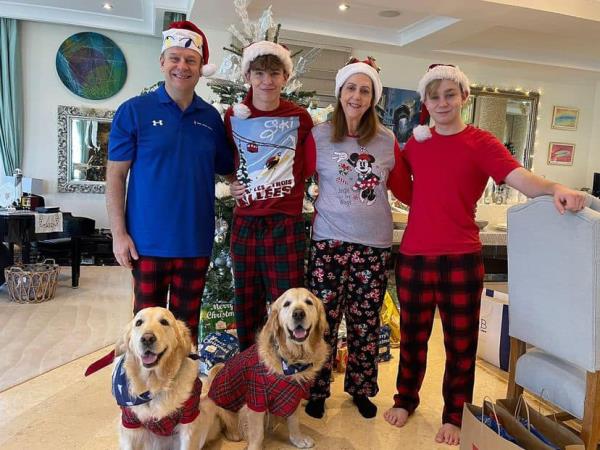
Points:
(359, 67)
(443, 72)
(261, 48)
(185, 34)
(422, 132)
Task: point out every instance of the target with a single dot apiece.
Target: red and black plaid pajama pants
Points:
(453, 283)
(268, 259)
(351, 280)
(182, 279)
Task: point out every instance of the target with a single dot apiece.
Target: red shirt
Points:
(270, 154)
(187, 413)
(449, 175)
(246, 380)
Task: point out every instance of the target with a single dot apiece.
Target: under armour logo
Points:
(157, 123)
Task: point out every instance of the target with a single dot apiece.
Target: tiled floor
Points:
(63, 410)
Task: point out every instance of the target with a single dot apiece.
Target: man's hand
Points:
(237, 190)
(566, 199)
(124, 250)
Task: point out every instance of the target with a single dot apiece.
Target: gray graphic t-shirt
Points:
(352, 205)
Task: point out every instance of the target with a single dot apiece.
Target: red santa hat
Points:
(187, 35)
(260, 48)
(437, 72)
(366, 67)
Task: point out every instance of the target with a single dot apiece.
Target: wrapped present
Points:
(216, 317)
(216, 348)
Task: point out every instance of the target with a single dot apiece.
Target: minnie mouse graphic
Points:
(367, 181)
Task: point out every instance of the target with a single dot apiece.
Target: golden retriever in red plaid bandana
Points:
(270, 377)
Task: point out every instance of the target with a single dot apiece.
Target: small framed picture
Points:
(561, 154)
(564, 118)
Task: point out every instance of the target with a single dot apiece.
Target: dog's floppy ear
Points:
(184, 336)
(122, 343)
(272, 327)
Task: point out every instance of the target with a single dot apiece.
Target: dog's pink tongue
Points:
(299, 333)
(149, 358)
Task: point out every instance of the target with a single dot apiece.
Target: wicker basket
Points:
(32, 283)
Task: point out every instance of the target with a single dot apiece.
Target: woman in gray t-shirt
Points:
(356, 160)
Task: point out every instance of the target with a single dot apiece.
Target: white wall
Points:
(43, 92)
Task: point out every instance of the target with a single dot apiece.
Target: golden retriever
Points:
(155, 349)
(292, 339)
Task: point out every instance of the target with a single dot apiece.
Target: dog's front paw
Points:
(302, 441)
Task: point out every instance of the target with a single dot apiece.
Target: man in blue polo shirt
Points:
(171, 143)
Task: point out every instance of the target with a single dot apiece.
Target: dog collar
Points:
(120, 387)
(291, 369)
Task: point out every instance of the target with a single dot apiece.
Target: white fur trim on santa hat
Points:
(242, 111)
(261, 48)
(421, 133)
(443, 73)
(180, 37)
(359, 67)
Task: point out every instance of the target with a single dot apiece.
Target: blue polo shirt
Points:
(174, 155)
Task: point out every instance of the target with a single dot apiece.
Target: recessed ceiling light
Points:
(344, 7)
(107, 6)
(389, 13)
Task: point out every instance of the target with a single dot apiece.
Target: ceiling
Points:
(549, 32)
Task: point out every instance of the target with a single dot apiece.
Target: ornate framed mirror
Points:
(511, 115)
(82, 148)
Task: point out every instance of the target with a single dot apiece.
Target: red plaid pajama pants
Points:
(182, 279)
(453, 283)
(268, 259)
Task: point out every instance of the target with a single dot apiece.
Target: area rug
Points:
(35, 338)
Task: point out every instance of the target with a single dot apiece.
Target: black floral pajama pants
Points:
(351, 281)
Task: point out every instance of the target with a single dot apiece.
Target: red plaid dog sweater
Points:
(166, 426)
(246, 380)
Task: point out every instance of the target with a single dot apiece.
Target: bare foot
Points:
(396, 416)
(448, 434)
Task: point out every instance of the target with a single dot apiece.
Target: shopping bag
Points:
(550, 429)
(390, 316)
(475, 435)
(494, 341)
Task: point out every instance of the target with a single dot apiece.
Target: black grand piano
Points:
(19, 229)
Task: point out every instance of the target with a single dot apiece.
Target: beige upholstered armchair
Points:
(554, 294)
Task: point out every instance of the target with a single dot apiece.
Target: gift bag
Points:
(216, 317)
(476, 435)
(216, 348)
(494, 341)
(545, 428)
(390, 316)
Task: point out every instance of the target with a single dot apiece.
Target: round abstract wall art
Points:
(91, 66)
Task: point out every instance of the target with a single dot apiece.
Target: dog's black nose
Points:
(148, 339)
(298, 315)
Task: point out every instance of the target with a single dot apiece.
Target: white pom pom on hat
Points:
(241, 111)
(421, 133)
(208, 70)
